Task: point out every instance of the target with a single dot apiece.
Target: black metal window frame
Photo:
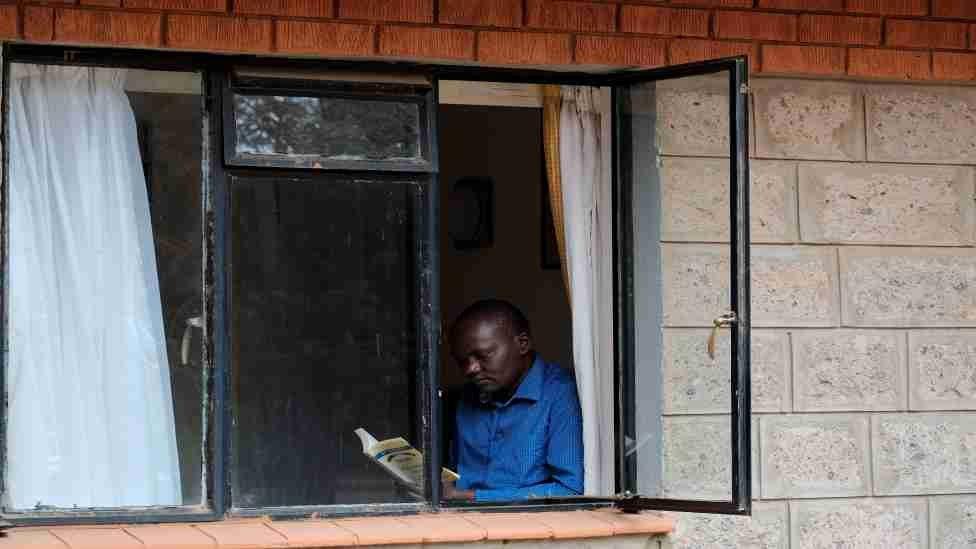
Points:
(219, 162)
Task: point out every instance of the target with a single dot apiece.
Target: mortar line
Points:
(796, 201)
(870, 478)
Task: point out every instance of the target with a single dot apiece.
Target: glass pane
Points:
(676, 169)
(105, 374)
(328, 128)
(324, 336)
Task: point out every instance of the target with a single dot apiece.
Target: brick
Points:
(953, 66)
(8, 21)
(322, 38)
(578, 16)
(820, 60)
(243, 534)
(716, 3)
(695, 200)
(38, 23)
(809, 120)
(688, 51)
(103, 3)
(925, 34)
(291, 8)
(892, 287)
(160, 536)
(207, 32)
(849, 370)
(953, 521)
(956, 9)
(840, 29)
(413, 11)
(794, 286)
(696, 384)
(805, 5)
(858, 523)
(103, 27)
(814, 455)
(488, 13)
(21, 538)
(665, 21)
(924, 453)
(177, 5)
(524, 48)
(942, 370)
(693, 116)
(921, 124)
(98, 538)
(766, 528)
(754, 25)
(887, 204)
(889, 7)
(908, 65)
(696, 461)
(427, 43)
(619, 50)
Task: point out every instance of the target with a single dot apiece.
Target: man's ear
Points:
(524, 341)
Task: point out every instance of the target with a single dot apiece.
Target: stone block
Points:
(695, 200)
(791, 286)
(695, 283)
(809, 120)
(953, 522)
(908, 287)
(921, 124)
(767, 528)
(867, 523)
(942, 370)
(886, 204)
(794, 286)
(837, 370)
(813, 456)
(696, 458)
(924, 453)
(693, 116)
(696, 384)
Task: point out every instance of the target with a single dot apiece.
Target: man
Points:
(518, 430)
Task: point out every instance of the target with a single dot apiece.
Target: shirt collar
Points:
(531, 386)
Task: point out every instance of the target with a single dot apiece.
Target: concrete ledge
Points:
(416, 530)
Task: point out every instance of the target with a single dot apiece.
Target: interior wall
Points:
(505, 144)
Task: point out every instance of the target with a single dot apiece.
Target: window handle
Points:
(723, 321)
(192, 322)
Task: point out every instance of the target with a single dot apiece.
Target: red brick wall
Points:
(899, 39)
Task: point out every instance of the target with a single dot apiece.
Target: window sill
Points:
(446, 527)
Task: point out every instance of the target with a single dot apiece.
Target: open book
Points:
(401, 460)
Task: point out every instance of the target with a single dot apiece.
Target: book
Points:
(401, 460)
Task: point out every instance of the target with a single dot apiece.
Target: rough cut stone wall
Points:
(864, 315)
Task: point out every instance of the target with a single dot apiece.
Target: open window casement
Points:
(682, 287)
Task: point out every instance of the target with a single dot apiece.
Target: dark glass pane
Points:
(327, 127)
(324, 330)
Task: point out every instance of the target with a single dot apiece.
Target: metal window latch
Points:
(192, 322)
(723, 321)
(744, 89)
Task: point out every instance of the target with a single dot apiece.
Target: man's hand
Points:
(450, 491)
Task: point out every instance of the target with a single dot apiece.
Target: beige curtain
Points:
(551, 107)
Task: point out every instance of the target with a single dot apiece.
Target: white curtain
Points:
(585, 174)
(90, 413)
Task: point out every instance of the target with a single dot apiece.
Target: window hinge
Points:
(744, 89)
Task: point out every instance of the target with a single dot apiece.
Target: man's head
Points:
(492, 344)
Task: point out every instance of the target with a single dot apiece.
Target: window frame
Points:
(216, 74)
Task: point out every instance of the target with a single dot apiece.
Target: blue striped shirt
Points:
(527, 447)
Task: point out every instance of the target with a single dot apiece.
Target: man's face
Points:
(489, 354)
